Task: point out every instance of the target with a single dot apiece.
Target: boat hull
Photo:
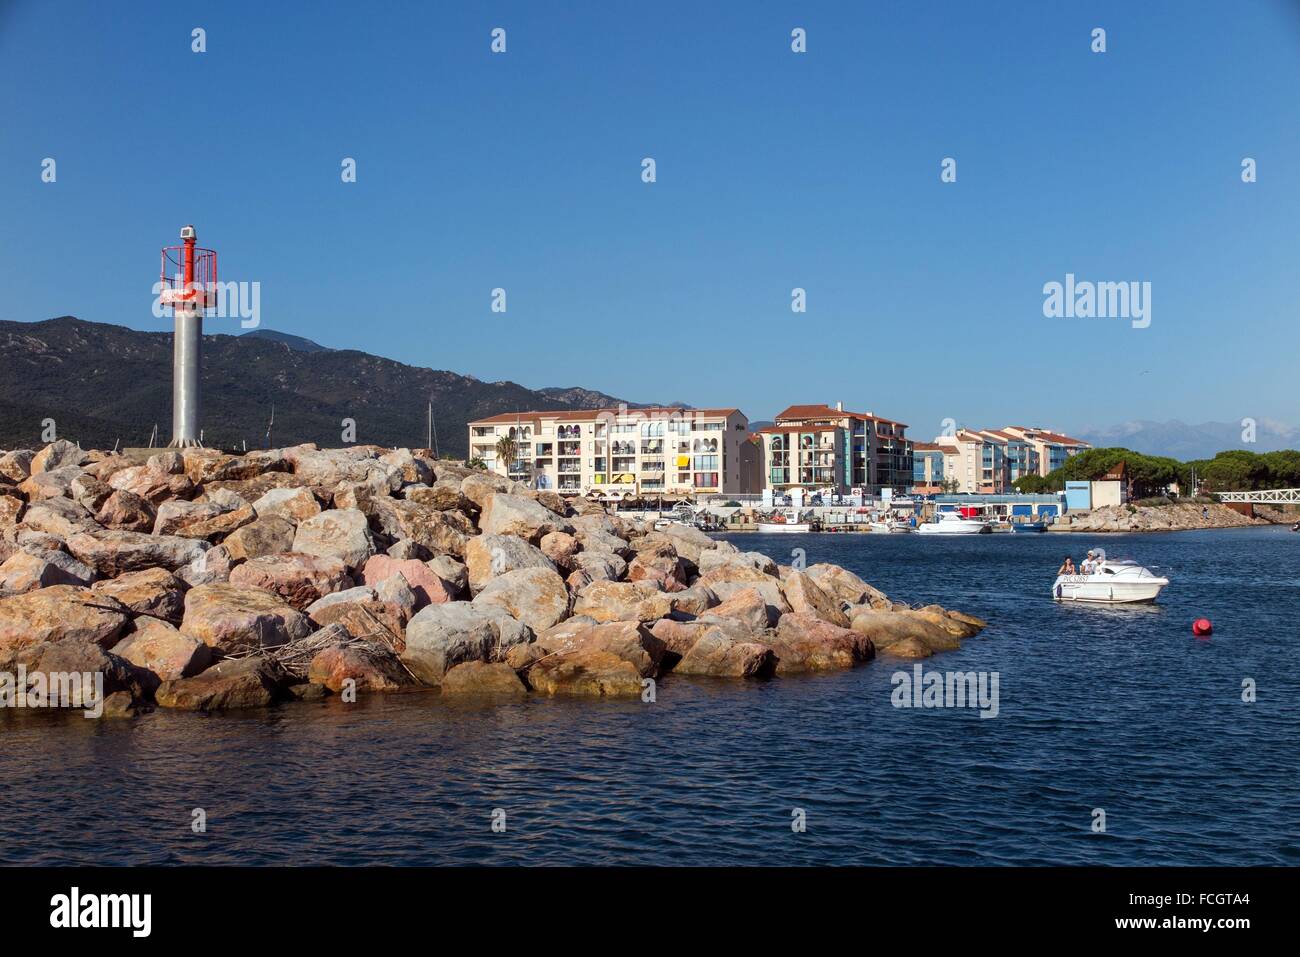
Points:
(1095, 590)
(772, 527)
(953, 528)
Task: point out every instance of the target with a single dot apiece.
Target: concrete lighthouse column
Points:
(187, 366)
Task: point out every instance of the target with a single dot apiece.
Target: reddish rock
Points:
(428, 587)
(125, 511)
(159, 647)
(233, 619)
(373, 667)
(153, 592)
(58, 613)
(483, 679)
(235, 683)
(804, 642)
(298, 579)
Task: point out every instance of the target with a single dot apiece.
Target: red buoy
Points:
(1202, 627)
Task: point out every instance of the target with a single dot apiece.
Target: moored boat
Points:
(951, 523)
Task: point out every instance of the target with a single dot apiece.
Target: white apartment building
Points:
(624, 453)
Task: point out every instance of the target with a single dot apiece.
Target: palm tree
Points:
(506, 451)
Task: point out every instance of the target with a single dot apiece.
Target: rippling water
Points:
(1119, 709)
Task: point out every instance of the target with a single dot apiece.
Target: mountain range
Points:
(105, 384)
(1184, 441)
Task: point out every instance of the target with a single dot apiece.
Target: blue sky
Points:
(775, 171)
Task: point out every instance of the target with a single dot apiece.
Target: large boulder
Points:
(126, 512)
(442, 636)
(159, 647)
(505, 514)
(58, 516)
(494, 679)
(536, 596)
(560, 548)
(23, 572)
(55, 662)
(233, 619)
(251, 682)
(690, 543)
(622, 601)
(111, 553)
(659, 564)
(746, 606)
(489, 555)
(806, 597)
(265, 536)
(151, 592)
(694, 601)
(842, 584)
(365, 620)
(372, 666)
(16, 465)
(292, 504)
(297, 578)
(11, 510)
(444, 495)
(600, 565)
(152, 484)
(208, 519)
(427, 587)
(454, 573)
(58, 454)
(59, 613)
(598, 674)
(441, 532)
(887, 628)
(49, 485)
(629, 640)
(715, 558)
(339, 533)
(805, 642)
(727, 652)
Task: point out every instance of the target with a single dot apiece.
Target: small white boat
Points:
(893, 526)
(1111, 583)
(952, 523)
(783, 522)
(785, 526)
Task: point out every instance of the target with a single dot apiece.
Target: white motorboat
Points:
(1112, 582)
(952, 523)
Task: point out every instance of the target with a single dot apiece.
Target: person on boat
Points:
(1089, 565)
(1067, 568)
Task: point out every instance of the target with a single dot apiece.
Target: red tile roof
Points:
(581, 415)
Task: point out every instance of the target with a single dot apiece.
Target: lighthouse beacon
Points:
(189, 277)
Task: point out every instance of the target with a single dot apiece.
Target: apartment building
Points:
(819, 448)
(991, 460)
(624, 453)
(928, 475)
(1053, 449)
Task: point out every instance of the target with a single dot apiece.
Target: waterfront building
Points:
(816, 448)
(1053, 448)
(928, 476)
(624, 453)
(989, 461)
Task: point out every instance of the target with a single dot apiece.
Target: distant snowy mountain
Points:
(1202, 441)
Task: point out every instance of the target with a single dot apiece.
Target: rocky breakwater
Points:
(206, 581)
(1173, 517)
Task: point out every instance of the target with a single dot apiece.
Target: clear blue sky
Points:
(775, 170)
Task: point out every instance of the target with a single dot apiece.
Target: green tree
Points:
(506, 449)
